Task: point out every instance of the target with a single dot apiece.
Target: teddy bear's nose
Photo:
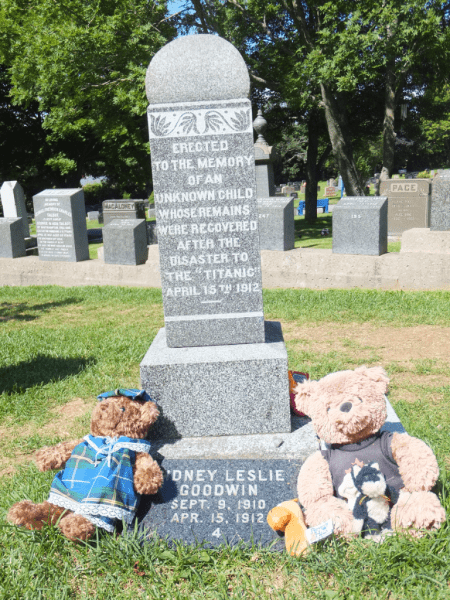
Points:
(346, 407)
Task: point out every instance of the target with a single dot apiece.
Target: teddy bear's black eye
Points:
(122, 408)
(328, 409)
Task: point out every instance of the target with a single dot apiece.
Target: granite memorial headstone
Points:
(408, 204)
(360, 225)
(61, 225)
(205, 196)
(125, 242)
(12, 243)
(276, 223)
(13, 203)
(440, 202)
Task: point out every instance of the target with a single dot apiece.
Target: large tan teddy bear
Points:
(348, 409)
(104, 473)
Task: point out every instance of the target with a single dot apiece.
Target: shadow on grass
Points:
(39, 371)
(28, 312)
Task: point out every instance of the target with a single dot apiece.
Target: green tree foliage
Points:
(83, 63)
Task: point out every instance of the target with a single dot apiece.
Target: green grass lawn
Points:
(60, 347)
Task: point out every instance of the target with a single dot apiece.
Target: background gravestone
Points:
(276, 223)
(408, 204)
(122, 209)
(360, 225)
(125, 242)
(440, 202)
(12, 243)
(264, 154)
(61, 225)
(203, 169)
(13, 202)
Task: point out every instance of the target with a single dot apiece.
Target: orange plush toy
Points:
(348, 409)
(104, 473)
(287, 518)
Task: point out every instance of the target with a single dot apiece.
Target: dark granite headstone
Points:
(61, 225)
(12, 242)
(122, 209)
(152, 233)
(125, 242)
(203, 167)
(408, 204)
(13, 203)
(440, 202)
(276, 223)
(360, 225)
(219, 501)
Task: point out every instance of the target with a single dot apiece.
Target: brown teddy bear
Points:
(104, 474)
(348, 409)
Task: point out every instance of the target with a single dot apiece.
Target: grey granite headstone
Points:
(152, 233)
(13, 202)
(276, 223)
(360, 225)
(408, 204)
(220, 390)
(61, 225)
(287, 189)
(12, 243)
(93, 215)
(440, 202)
(125, 242)
(122, 209)
(203, 168)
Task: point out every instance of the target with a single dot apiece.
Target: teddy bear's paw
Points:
(417, 510)
(34, 516)
(76, 527)
(54, 457)
(148, 477)
(334, 509)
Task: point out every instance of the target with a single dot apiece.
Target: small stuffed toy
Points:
(367, 497)
(287, 518)
(104, 473)
(348, 409)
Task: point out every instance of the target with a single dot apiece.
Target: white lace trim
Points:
(136, 446)
(99, 523)
(113, 512)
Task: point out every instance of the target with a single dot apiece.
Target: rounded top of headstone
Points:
(196, 68)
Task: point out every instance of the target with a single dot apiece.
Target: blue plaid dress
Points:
(97, 481)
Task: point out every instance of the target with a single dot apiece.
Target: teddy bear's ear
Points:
(375, 374)
(303, 393)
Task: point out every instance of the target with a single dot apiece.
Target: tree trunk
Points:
(341, 143)
(388, 123)
(311, 169)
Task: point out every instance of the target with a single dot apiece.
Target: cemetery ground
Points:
(60, 347)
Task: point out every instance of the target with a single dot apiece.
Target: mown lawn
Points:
(60, 347)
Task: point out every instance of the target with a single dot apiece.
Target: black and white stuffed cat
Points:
(368, 497)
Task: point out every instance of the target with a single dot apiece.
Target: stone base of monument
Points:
(220, 489)
(219, 390)
(425, 240)
(12, 243)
